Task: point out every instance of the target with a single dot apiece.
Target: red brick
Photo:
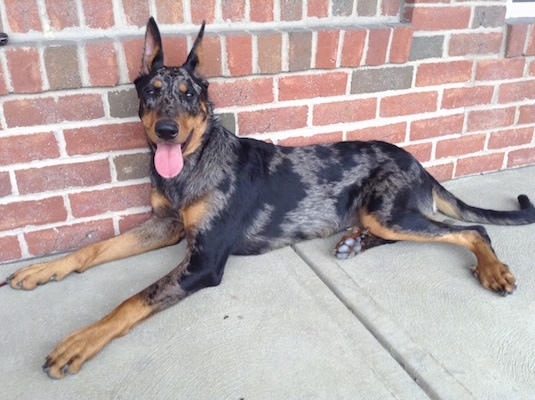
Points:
(441, 172)
(95, 202)
(62, 14)
(37, 180)
(211, 60)
(510, 137)
(516, 39)
(390, 8)
(530, 47)
(242, 92)
(48, 110)
(479, 120)
(436, 127)
(272, 120)
(521, 157)
(32, 212)
(9, 248)
(526, 114)
(430, 74)
(100, 17)
(460, 146)
(170, 12)
(105, 138)
(175, 49)
(23, 16)
(475, 43)
(25, 69)
(506, 68)
(136, 12)
(318, 8)
(300, 50)
(5, 184)
(233, 10)
(102, 64)
(26, 148)
(291, 10)
(269, 53)
(516, 91)
(406, 104)
(467, 96)
(353, 47)
(69, 237)
(438, 18)
(133, 49)
(239, 55)
(320, 138)
(327, 48)
(127, 222)
(532, 68)
(394, 133)
(344, 111)
(261, 11)
(3, 86)
(401, 43)
(203, 10)
(422, 151)
(295, 87)
(475, 165)
(377, 46)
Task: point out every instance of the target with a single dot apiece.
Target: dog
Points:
(228, 195)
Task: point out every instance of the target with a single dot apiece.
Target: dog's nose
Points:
(166, 129)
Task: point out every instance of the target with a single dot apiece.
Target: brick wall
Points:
(450, 80)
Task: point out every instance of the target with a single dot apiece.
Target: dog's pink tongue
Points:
(168, 160)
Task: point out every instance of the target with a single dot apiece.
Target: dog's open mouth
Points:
(168, 157)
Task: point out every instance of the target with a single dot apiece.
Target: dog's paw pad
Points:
(349, 246)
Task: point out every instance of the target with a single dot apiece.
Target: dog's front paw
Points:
(73, 351)
(38, 274)
(496, 277)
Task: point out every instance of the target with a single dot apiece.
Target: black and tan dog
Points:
(227, 195)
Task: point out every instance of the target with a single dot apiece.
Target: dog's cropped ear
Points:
(192, 62)
(152, 52)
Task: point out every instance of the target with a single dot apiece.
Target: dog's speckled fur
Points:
(242, 196)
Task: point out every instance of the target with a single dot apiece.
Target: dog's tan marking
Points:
(149, 120)
(159, 201)
(192, 123)
(194, 214)
(446, 207)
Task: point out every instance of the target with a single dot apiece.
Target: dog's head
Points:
(173, 103)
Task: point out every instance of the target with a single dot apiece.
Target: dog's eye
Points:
(189, 95)
(150, 91)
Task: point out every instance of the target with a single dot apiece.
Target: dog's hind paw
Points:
(351, 243)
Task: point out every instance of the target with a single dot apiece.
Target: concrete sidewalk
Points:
(404, 321)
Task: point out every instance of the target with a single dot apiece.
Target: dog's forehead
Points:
(173, 77)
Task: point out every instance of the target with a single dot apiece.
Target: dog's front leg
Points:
(194, 273)
(155, 233)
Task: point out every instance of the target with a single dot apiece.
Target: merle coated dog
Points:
(228, 195)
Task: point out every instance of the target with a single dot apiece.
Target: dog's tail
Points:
(451, 206)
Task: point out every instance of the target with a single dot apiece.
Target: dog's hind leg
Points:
(163, 229)
(411, 225)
